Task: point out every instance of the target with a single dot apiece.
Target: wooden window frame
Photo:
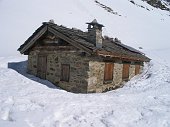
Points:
(108, 78)
(65, 78)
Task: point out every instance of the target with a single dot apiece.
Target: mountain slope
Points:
(136, 25)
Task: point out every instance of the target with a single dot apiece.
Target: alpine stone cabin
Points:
(81, 62)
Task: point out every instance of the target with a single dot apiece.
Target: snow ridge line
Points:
(108, 9)
(141, 6)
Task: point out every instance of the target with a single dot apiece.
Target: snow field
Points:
(144, 101)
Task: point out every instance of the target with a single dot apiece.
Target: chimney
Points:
(95, 33)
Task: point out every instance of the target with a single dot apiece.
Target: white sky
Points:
(136, 27)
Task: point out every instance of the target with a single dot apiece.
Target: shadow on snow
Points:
(21, 67)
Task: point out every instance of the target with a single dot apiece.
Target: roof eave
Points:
(114, 55)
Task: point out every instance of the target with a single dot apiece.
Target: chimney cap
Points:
(94, 22)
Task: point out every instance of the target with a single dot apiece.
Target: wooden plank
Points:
(137, 69)
(125, 73)
(108, 73)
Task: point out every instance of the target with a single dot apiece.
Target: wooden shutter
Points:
(42, 66)
(137, 69)
(65, 72)
(125, 73)
(108, 72)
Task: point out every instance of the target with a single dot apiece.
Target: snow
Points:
(27, 101)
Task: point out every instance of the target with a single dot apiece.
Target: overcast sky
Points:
(20, 18)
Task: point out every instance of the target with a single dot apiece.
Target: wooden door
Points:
(137, 69)
(125, 73)
(42, 66)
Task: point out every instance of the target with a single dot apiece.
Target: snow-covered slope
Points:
(139, 25)
(27, 101)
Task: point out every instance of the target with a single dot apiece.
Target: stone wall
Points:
(53, 68)
(78, 71)
(32, 63)
(117, 76)
(79, 67)
(96, 77)
(86, 72)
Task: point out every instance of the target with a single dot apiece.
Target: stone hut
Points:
(81, 62)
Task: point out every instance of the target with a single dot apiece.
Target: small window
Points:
(108, 72)
(65, 72)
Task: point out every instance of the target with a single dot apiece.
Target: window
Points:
(125, 73)
(137, 69)
(65, 72)
(108, 72)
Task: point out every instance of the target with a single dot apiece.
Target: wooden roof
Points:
(80, 40)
